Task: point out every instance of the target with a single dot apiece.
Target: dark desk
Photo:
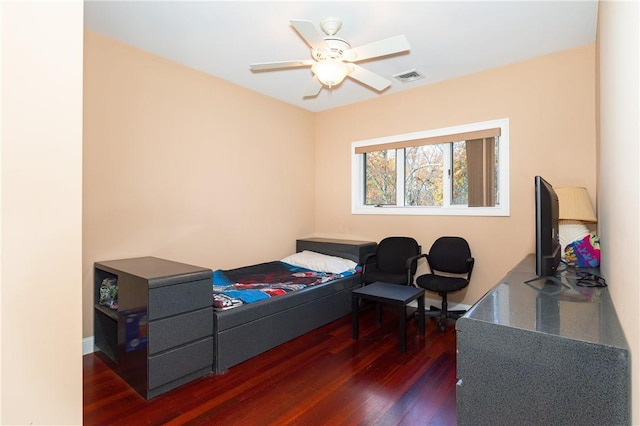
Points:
(542, 354)
(390, 294)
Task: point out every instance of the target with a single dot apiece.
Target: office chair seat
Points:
(386, 277)
(440, 284)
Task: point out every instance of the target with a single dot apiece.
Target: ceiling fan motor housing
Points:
(336, 47)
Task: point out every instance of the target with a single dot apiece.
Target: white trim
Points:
(357, 174)
(87, 345)
(452, 305)
(438, 302)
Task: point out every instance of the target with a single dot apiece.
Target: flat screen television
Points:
(547, 227)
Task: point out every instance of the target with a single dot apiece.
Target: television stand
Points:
(560, 286)
(526, 356)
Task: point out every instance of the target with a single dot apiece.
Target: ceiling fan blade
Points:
(309, 33)
(284, 64)
(384, 47)
(369, 78)
(313, 88)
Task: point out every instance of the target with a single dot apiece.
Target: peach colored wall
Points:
(619, 154)
(550, 102)
(181, 165)
(41, 201)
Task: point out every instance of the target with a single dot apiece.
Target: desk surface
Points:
(580, 313)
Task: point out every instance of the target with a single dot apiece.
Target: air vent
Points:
(408, 76)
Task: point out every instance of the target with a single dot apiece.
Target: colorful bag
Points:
(584, 253)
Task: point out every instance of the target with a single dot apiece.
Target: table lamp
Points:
(575, 211)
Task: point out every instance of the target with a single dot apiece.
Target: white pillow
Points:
(320, 262)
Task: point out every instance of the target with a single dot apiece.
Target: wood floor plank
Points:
(321, 378)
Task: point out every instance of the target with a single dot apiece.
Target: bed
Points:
(245, 331)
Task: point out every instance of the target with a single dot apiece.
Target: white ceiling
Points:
(448, 38)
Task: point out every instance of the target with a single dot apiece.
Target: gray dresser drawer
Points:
(174, 364)
(179, 298)
(174, 331)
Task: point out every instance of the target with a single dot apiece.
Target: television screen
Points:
(547, 239)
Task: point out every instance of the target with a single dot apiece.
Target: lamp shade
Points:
(575, 204)
(331, 72)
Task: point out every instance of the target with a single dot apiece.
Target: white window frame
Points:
(357, 175)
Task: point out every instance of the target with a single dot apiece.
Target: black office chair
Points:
(395, 261)
(452, 256)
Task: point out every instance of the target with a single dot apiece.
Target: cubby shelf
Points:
(111, 313)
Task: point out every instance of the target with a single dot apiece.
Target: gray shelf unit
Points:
(160, 337)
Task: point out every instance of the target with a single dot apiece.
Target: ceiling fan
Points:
(333, 57)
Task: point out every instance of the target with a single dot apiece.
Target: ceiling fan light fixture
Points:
(331, 72)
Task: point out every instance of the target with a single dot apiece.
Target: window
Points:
(461, 170)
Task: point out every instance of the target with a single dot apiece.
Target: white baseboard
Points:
(87, 345)
(437, 302)
(453, 306)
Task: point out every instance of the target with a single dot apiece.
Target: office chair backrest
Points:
(450, 254)
(393, 252)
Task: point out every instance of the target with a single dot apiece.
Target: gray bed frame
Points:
(249, 330)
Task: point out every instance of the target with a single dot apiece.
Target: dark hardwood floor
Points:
(321, 378)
